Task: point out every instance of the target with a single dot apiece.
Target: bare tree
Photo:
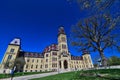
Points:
(96, 6)
(9, 64)
(96, 33)
(19, 63)
(99, 30)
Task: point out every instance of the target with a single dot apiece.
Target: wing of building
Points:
(55, 57)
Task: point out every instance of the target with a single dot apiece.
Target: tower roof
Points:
(15, 41)
(61, 30)
(85, 52)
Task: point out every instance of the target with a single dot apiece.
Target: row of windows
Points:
(35, 66)
(63, 46)
(28, 60)
(11, 51)
(33, 71)
(54, 59)
(54, 69)
(53, 53)
(54, 65)
(82, 66)
(77, 66)
(76, 62)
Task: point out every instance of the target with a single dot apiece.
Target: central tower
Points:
(62, 41)
(64, 56)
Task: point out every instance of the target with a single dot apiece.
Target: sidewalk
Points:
(31, 76)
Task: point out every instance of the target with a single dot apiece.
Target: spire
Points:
(61, 30)
(15, 41)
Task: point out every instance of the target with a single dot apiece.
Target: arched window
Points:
(31, 66)
(40, 66)
(36, 66)
(26, 66)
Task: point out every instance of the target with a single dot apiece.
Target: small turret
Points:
(85, 52)
(61, 31)
(87, 59)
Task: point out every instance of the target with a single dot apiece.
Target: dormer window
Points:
(15, 42)
(12, 50)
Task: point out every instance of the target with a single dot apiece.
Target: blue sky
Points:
(36, 22)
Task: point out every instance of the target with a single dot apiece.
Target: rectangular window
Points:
(54, 59)
(46, 55)
(46, 60)
(46, 66)
(26, 66)
(40, 66)
(33, 60)
(28, 60)
(63, 39)
(64, 46)
(41, 61)
(31, 66)
(9, 56)
(12, 50)
(54, 65)
(36, 66)
(37, 61)
(54, 53)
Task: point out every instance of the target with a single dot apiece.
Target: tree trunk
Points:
(103, 59)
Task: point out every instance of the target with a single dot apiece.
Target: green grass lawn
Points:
(112, 74)
(20, 74)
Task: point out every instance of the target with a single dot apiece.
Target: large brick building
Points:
(55, 57)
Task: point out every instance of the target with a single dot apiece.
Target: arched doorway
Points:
(65, 64)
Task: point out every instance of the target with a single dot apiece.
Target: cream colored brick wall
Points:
(87, 61)
(7, 53)
(35, 62)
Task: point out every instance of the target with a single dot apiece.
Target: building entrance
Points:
(65, 64)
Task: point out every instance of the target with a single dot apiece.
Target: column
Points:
(62, 65)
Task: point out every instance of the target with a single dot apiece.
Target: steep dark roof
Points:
(33, 54)
(52, 47)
